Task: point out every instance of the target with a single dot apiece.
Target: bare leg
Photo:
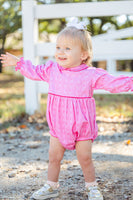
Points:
(84, 155)
(56, 152)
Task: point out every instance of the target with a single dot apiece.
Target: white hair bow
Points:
(79, 25)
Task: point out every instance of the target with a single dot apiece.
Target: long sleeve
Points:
(38, 73)
(101, 79)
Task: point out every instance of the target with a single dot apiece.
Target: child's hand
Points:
(8, 60)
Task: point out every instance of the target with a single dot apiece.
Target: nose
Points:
(61, 51)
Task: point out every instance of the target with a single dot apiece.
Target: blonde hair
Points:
(83, 37)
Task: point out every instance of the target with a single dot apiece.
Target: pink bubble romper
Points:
(71, 113)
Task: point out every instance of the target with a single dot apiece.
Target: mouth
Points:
(60, 58)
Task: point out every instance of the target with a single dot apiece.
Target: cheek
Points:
(77, 52)
(55, 54)
(68, 54)
(77, 55)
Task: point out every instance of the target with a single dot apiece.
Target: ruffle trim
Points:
(76, 69)
(132, 83)
(19, 64)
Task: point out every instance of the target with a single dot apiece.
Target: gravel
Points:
(24, 162)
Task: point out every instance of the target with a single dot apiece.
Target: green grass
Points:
(12, 102)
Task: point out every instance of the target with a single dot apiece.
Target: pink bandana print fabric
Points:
(71, 113)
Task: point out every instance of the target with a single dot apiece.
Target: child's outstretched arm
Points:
(103, 80)
(27, 69)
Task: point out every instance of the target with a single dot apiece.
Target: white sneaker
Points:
(94, 193)
(45, 192)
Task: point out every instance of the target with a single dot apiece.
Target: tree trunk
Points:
(2, 51)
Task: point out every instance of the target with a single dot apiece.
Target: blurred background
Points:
(12, 103)
(24, 139)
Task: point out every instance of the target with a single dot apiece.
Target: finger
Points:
(5, 64)
(8, 53)
(2, 58)
(3, 61)
(3, 55)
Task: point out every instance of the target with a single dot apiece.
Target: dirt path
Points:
(24, 162)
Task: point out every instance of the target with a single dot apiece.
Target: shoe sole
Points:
(46, 196)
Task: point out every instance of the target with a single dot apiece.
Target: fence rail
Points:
(91, 9)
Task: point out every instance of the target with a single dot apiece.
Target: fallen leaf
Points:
(33, 175)
(128, 142)
(22, 126)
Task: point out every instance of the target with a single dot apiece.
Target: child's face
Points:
(68, 53)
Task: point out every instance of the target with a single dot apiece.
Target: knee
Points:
(55, 158)
(85, 159)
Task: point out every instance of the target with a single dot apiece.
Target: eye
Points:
(57, 47)
(67, 48)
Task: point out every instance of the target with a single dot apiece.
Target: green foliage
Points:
(50, 26)
(10, 18)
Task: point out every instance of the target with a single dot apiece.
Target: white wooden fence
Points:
(105, 46)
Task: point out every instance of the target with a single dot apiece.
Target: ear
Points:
(84, 55)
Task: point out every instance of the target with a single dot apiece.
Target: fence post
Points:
(111, 66)
(30, 37)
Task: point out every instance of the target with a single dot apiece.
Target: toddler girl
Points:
(71, 111)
